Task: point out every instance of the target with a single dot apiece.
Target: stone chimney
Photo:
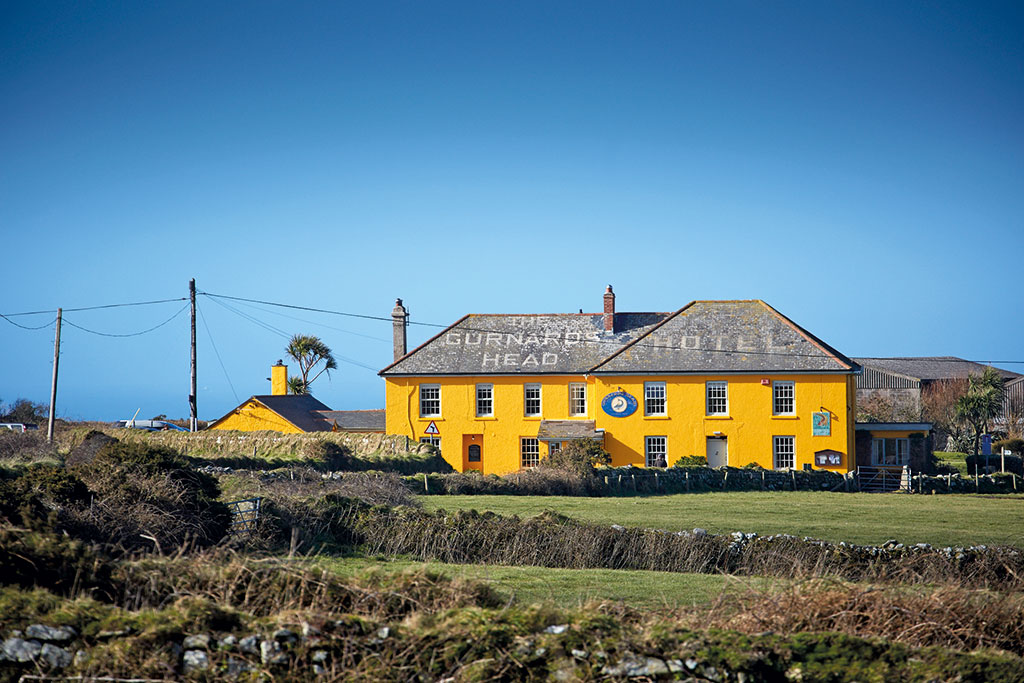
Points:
(609, 311)
(400, 321)
(279, 379)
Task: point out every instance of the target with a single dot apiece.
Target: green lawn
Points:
(573, 587)
(852, 517)
(957, 461)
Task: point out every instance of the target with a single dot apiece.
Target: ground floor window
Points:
(784, 452)
(434, 441)
(554, 446)
(890, 451)
(656, 451)
(529, 450)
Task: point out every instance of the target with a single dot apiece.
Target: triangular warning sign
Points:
(431, 428)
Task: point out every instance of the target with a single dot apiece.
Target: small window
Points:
(890, 451)
(554, 446)
(430, 400)
(484, 400)
(434, 441)
(783, 398)
(718, 398)
(529, 450)
(784, 452)
(531, 400)
(654, 398)
(656, 451)
(474, 453)
(577, 399)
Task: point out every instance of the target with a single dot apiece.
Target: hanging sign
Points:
(431, 428)
(821, 424)
(619, 404)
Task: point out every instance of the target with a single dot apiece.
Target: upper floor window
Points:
(484, 400)
(430, 400)
(654, 398)
(577, 399)
(529, 451)
(531, 400)
(783, 398)
(784, 452)
(718, 398)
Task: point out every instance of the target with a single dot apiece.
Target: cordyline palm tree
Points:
(981, 404)
(308, 351)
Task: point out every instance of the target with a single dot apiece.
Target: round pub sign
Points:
(619, 404)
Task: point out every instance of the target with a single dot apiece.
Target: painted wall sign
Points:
(431, 428)
(828, 459)
(821, 424)
(619, 404)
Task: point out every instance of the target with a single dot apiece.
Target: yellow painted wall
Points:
(748, 428)
(253, 416)
(895, 433)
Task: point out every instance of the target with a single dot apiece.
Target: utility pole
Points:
(193, 422)
(53, 384)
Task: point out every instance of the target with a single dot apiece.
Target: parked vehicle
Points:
(149, 425)
(18, 426)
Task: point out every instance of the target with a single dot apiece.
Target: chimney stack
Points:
(609, 311)
(400, 321)
(279, 379)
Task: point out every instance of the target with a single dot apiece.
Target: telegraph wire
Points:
(131, 334)
(27, 327)
(96, 308)
(217, 353)
(319, 324)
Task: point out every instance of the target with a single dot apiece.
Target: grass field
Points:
(957, 461)
(574, 587)
(852, 517)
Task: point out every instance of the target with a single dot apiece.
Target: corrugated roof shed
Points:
(931, 368)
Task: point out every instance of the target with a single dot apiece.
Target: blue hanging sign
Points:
(821, 424)
(619, 404)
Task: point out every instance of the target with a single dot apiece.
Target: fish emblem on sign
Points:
(619, 404)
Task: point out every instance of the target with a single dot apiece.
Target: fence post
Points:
(1014, 475)
(633, 477)
(657, 483)
(762, 480)
(792, 475)
(687, 481)
(725, 479)
(976, 476)
(846, 481)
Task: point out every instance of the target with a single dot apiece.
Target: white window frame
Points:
(708, 398)
(487, 401)
(577, 399)
(655, 446)
(781, 387)
(529, 452)
(424, 400)
(527, 388)
(433, 441)
(783, 449)
(880, 451)
(652, 399)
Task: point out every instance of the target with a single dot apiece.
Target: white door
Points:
(717, 452)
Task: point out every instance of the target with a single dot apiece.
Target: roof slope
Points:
(727, 336)
(932, 367)
(523, 344)
(297, 409)
(353, 420)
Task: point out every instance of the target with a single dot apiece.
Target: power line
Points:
(217, 353)
(26, 327)
(96, 308)
(319, 324)
(131, 334)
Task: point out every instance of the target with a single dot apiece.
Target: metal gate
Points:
(884, 479)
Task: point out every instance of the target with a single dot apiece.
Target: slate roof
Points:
(727, 336)
(701, 337)
(930, 368)
(566, 344)
(353, 420)
(297, 409)
(565, 430)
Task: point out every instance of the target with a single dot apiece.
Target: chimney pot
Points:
(609, 311)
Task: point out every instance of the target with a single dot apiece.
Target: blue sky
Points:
(860, 166)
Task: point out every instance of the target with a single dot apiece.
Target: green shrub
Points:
(1015, 446)
(692, 461)
(579, 456)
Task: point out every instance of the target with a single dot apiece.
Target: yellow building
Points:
(280, 411)
(734, 381)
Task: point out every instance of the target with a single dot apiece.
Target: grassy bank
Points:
(853, 517)
(573, 587)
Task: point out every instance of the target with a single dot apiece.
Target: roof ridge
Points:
(827, 349)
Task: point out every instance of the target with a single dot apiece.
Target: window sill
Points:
(785, 417)
(437, 418)
(657, 417)
(485, 418)
(717, 417)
